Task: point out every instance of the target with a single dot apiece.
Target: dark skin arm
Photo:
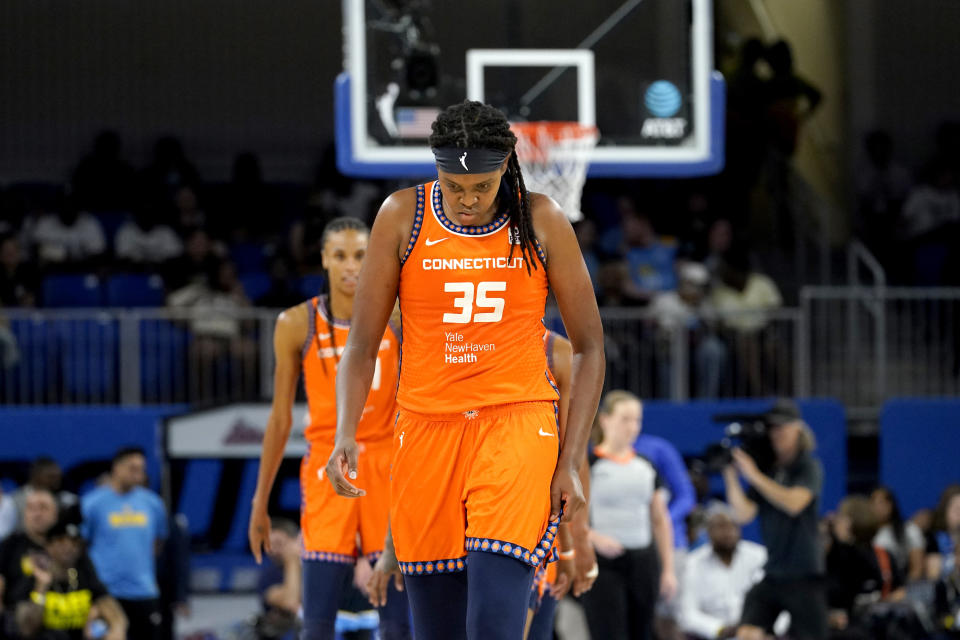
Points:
(573, 290)
(291, 331)
(374, 302)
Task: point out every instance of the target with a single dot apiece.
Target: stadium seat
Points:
(89, 359)
(72, 290)
(248, 256)
(255, 284)
(311, 285)
(163, 359)
(135, 290)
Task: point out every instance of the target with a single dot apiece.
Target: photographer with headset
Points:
(786, 498)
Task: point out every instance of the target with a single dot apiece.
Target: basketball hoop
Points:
(554, 157)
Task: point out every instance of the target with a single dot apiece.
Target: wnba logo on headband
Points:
(454, 160)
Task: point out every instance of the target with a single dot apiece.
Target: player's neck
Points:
(474, 221)
(341, 306)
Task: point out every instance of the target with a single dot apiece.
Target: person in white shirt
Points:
(144, 240)
(69, 236)
(717, 577)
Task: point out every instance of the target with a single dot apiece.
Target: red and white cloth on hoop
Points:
(554, 157)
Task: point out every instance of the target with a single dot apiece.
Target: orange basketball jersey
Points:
(472, 315)
(321, 353)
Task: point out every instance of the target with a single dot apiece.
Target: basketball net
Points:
(554, 157)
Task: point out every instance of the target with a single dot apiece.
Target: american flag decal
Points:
(415, 122)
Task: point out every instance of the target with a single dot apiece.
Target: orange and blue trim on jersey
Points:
(433, 567)
(417, 223)
(468, 230)
(325, 556)
(542, 553)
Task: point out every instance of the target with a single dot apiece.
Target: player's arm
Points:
(374, 302)
(288, 337)
(573, 290)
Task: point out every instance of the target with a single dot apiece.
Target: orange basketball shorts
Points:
(477, 481)
(330, 523)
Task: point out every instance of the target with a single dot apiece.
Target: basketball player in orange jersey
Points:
(480, 479)
(310, 337)
(577, 566)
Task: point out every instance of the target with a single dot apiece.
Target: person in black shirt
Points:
(787, 504)
(18, 552)
(64, 597)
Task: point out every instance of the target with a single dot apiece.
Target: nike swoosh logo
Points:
(323, 336)
(545, 433)
(430, 242)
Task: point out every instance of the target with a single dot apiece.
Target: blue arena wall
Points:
(919, 450)
(82, 440)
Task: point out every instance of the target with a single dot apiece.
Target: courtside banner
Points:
(234, 431)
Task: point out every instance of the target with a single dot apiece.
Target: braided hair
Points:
(472, 124)
(344, 223)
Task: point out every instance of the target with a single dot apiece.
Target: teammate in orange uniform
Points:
(553, 581)
(480, 480)
(311, 337)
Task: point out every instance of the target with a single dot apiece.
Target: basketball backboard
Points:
(640, 70)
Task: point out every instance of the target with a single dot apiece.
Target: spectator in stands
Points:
(144, 241)
(649, 259)
(882, 186)
(305, 235)
(947, 600)
(168, 171)
(64, 598)
(18, 551)
(719, 241)
(188, 215)
(249, 212)
(45, 474)
(742, 297)
(19, 281)
(125, 524)
(8, 515)
(946, 534)
(103, 180)
(855, 569)
(931, 215)
(586, 232)
(218, 294)
(687, 309)
(279, 583)
(197, 261)
(611, 281)
(786, 498)
(902, 540)
(281, 293)
(790, 100)
(717, 577)
(69, 239)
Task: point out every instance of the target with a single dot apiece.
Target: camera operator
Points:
(787, 503)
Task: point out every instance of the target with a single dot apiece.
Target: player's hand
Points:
(585, 561)
(745, 464)
(386, 567)
(566, 573)
(342, 465)
(362, 572)
(668, 585)
(566, 493)
(606, 546)
(258, 532)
